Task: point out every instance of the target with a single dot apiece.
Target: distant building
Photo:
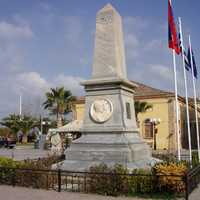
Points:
(157, 125)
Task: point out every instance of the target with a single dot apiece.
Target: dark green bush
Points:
(141, 181)
(117, 181)
(7, 174)
(195, 159)
(41, 163)
(29, 178)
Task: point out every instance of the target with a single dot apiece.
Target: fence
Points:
(192, 180)
(102, 183)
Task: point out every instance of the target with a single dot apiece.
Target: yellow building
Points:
(157, 125)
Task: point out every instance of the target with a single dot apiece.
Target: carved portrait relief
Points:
(101, 110)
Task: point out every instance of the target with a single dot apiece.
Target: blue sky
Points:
(48, 43)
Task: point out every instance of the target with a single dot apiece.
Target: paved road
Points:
(19, 193)
(23, 153)
(195, 194)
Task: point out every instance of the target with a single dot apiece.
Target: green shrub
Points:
(6, 174)
(117, 180)
(195, 159)
(9, 163)
(29, 178)
(141, 181)
(41, 163)
(107, 181)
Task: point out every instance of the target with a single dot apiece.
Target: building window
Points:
(148, 129)
(128, 110)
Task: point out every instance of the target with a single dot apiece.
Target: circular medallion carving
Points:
(101, 110)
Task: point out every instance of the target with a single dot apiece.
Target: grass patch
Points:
(24, 144)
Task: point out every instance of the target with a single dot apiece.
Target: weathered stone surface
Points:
(109, 56)
(119, 95)
(109, 133)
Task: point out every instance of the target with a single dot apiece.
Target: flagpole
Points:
(195, 97)
(177, 113)
(186, 91)
(173, 44)
(20, 106)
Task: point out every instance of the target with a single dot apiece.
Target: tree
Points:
(4, 131)
(59, 102)
(141, 107)
(16, 122)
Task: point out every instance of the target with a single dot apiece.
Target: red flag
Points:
(172, 34)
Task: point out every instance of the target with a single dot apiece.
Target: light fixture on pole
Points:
(154, 122)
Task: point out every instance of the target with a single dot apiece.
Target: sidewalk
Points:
(195, 194)
(20, 193)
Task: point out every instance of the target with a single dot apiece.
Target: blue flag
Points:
(193, 62)
(184, 54)
(187, 62)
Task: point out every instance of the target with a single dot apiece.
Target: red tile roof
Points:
(147, 91)
(142, 92)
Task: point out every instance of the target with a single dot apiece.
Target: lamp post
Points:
(154, 123)
(42, 123)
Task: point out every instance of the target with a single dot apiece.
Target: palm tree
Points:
(59, 102)
(16, 122)
(141, 107)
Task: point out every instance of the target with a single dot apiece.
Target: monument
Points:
(109, 133)
(56, 141)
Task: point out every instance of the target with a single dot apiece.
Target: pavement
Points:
(22, 153)
(195, 195)
(20, 193)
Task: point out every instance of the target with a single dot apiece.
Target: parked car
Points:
(10, 142)
(2, 141)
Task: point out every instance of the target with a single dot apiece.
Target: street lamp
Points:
(42, 124)
(155, 122)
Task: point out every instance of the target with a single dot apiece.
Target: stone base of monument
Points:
(126, 149)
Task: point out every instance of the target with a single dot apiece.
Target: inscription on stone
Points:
(105, 17)
(128, 110)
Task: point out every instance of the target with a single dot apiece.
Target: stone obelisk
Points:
(109, 133)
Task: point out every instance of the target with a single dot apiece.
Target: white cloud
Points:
(147, 53)
(154, 45)
(134, 27)
(131, 43)
(31, 83)
(71, 83)
(164, 72)
(12, 38)
(11, 58)
(34, 85)
(9, 31)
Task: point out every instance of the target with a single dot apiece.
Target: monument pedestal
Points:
(115, 148)
(116, 141)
